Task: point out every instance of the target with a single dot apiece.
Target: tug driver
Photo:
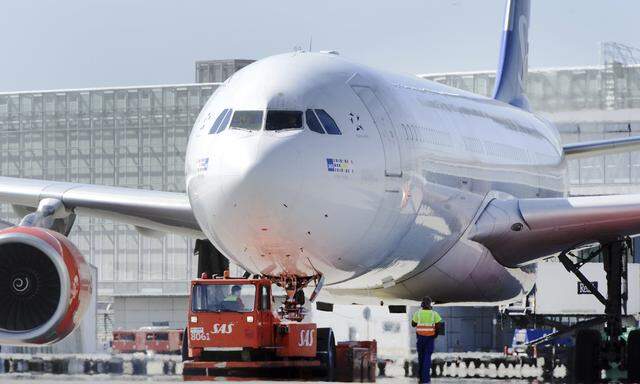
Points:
(233, 302)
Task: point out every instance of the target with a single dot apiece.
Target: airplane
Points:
(312, 170)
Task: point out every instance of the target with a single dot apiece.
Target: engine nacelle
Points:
(45, 286)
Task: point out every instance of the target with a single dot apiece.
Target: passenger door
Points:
(383, 123)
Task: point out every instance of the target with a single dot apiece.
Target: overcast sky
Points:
(49, 44)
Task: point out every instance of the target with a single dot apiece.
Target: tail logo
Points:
(523, 27)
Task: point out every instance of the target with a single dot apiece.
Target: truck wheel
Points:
(327, 354)
(586, 368)
(185, 346)
(633, 356)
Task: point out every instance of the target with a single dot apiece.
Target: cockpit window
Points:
(313, 123)
(278, 120)
(328, 123)
(225, 122)
(215, 128)
(250, 120)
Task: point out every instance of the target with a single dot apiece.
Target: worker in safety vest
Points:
(427, 323)
(233, 302)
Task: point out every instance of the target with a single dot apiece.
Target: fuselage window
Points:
(313, 123)
(327, 122)
(215, 128)
(278, 120)
(249, 120)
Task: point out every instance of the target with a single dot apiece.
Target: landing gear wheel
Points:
(185, 346)
(586, 369)
(327, 354)
(633, 356)
(299, 297)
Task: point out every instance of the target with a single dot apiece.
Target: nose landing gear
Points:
(211, 262)
(293, 306)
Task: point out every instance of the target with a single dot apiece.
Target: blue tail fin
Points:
(512, 69)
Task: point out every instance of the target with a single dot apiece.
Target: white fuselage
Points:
(382, 209)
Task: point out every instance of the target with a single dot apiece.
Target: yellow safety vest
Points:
(231, 298)
(426, 320)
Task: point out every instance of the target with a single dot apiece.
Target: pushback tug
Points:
(233, 330)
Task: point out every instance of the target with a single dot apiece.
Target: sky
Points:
(54, 44)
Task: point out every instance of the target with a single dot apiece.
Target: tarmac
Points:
(395, 376)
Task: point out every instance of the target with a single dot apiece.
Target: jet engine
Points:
(45, 286)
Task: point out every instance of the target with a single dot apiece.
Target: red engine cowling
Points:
(45, 286)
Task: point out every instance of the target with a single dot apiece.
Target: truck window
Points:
(265, 303)
(124, 336)
(223, 297)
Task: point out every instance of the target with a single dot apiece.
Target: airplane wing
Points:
(601, 147)
(518, 231)
(147, 210)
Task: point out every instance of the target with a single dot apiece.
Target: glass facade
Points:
(129, 137)
(217, 71)
(562, 89)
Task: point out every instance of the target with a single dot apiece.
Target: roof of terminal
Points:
(126, 88)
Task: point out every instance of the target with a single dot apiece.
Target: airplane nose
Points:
(261, 175)
(259, 183)
(278, 207)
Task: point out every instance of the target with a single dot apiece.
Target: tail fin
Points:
(513, 66)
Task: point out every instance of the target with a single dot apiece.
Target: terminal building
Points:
(136, 137)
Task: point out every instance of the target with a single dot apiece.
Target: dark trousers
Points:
(425, 349)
